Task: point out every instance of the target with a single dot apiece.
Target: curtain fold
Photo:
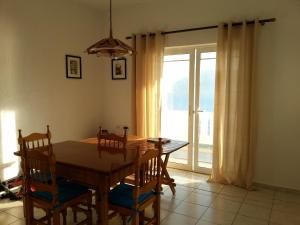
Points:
(235, 105)
(148, 71)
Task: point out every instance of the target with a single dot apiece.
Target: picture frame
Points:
(73, 67)
(119, 69)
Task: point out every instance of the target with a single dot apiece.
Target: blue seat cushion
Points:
(122, 195)
(67, 191)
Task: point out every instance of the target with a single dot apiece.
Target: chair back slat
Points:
(34, 140)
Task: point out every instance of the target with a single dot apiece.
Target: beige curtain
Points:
(234, 113)
(148, 71)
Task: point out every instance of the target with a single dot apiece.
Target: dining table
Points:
(83, 162)
(169, 147)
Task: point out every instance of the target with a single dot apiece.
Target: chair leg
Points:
(89, 214)
(56, 218)
(74, 215)
(135, 219)
(64, 214)
(123, 219)
(142, 217)
(157, 211)
(24, 206)
(29, 212)
(48, 214)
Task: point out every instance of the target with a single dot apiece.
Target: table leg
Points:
(102, 203)
(166, 179)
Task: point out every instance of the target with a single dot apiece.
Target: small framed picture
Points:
(118, 69)
(73, 66)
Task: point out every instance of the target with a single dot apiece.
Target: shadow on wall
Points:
(9, 164)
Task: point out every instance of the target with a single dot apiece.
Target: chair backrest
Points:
(39, 172)
(112, 142)
(34, 140)
(148, 171)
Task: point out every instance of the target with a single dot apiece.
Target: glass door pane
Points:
(175, 103)
(205, 111)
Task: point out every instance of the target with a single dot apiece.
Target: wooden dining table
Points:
(82, 161)
(168, 148)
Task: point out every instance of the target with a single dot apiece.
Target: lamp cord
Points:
(110, 19)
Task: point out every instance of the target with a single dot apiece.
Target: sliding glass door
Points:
(187, 90)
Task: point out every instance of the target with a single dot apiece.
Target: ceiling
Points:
(115, 3)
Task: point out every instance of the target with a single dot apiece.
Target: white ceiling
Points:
(115, 3)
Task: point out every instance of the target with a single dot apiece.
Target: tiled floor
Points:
(200, 203)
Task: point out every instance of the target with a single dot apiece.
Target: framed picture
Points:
(73, 66)
(118, 69)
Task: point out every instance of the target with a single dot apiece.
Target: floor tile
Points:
(286, 207)
(168, 203)
(260, 197)
(191, 210)
(177, 219)
(203, 222)
(202, 192)
(286, 196)
(180, 194)
(191, 184)
(182, 187)
(232, 198)
(266, 203)
(18, 222)
(212, 187)
(218, 217)
(233, 191)
(6, 218)
(38, 213)
(255, 211)
(200, 176)
(226, 205)
(199, 199)
(16, 211)
(163, 213)
(176, 172)
(260, 194)
(281, 218)
(243, 220)
(8, 204)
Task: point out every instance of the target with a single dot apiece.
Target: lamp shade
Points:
(110, 47)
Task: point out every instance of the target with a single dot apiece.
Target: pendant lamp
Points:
(110, 47)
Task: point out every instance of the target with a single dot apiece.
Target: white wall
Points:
(35, 35)
(278, 152)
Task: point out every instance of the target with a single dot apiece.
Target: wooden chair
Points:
(132, 200)
(32, 142)
(111, 142)
(44, 191)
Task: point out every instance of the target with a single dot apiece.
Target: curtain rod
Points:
(262, 22)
